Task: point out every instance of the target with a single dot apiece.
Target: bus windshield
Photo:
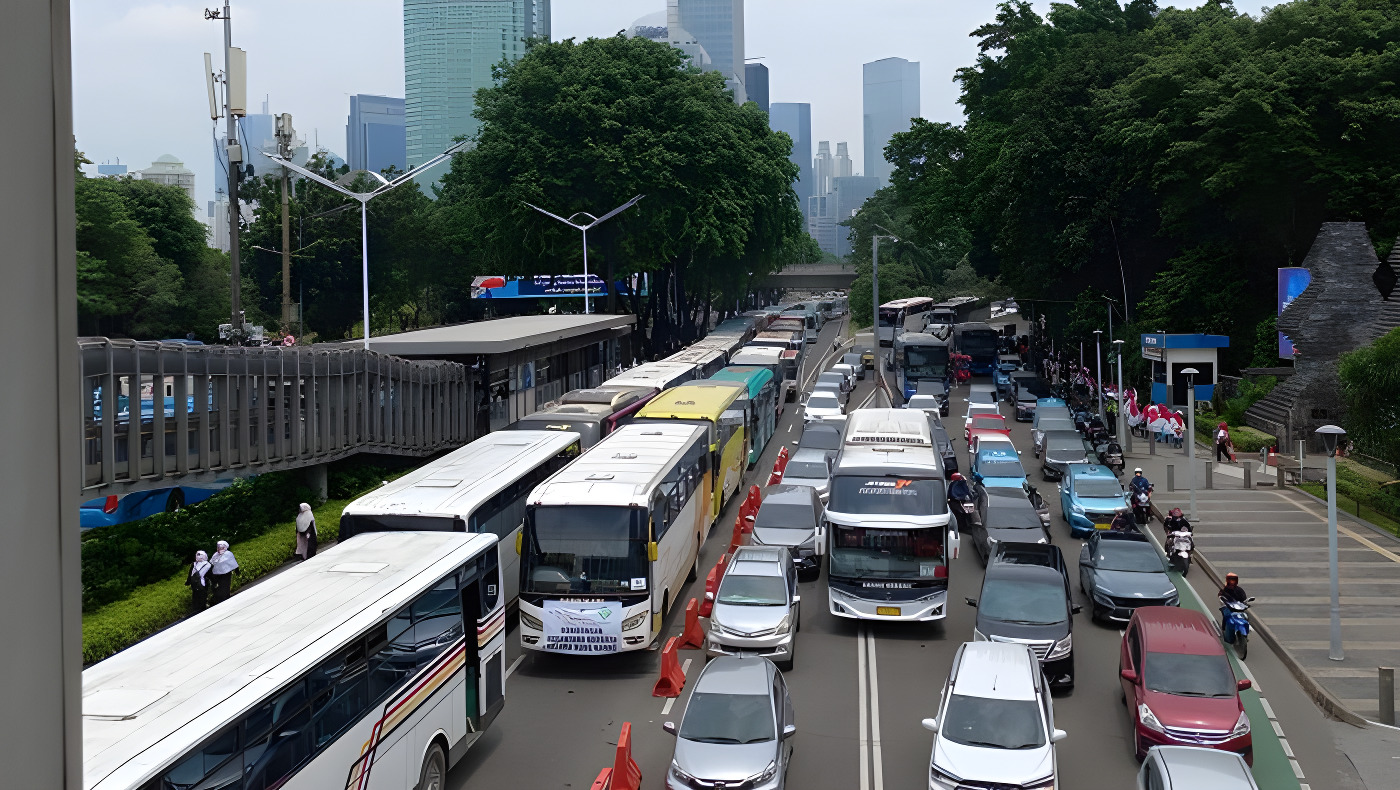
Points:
(889, 315)
(979, 343)
(887, 496)
(585, 549)
(869, 553)
(925, 362)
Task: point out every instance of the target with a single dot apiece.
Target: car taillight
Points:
(110, 506)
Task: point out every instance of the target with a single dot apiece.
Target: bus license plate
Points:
(889, 611)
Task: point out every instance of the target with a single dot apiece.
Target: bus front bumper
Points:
(931, 607)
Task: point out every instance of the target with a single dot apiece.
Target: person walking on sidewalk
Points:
(223, 566)
(198, 582)
(1222, 443)
(306, 533)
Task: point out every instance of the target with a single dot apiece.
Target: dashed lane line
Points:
(670, 701)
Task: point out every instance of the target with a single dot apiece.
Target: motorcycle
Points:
(1142, 506)
(1112, 457)
(1180, 544)
(965, 511)
(1038, 502)
(1236, 627)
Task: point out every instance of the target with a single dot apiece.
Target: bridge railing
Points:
(154, 412)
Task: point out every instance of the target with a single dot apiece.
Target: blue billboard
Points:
(548, 286)
(1292, 281)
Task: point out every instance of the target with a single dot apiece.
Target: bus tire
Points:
(175, 502)
(695, 566)
(433, 775)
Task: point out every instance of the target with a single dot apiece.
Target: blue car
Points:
(110, 510)
(997, 465)
(1044, 403)
(1090, 495)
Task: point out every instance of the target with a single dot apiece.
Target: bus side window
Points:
(490, 584)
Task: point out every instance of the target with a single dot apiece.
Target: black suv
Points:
(1025, 598)
(1004, 514)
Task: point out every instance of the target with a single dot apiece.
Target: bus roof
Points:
(697, 400)
(150, 704)
(621, 469)
(889, 461)
(699, 353)
(919, 339)
(755, 378)
(613, 397)
(760, 355)
(652, 374)
(876, 427)
(460, 481)
(909, 302)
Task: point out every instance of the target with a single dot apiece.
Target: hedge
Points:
(152, 607)
(1247, 440)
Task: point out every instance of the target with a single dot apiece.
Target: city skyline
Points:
(134, 102)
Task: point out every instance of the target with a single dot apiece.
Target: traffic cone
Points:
(670, 683)
(625, 773)
(693, 638)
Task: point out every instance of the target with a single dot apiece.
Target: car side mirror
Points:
(930, 724)
(669, 726)
(1058, 735)
(1076, 609)
(1242, 685)
(971, 601)
(1249, 600)
(789, 730)
(1129, 675)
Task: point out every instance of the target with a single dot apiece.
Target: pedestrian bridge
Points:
(812, 277)
(157, 414)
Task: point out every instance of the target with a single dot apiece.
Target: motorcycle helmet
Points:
(1137, 471)
(1232, 577)
(1175, 512)
(956, 476)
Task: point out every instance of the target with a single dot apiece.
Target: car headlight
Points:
(1241, 725)
(530, 621)
(1076, 508)
(1061, 648)
(940, 778)
(679, 774)
(1101, 596)
(1044, 783)
(764, 775)
(634, 621)
(784, 625)
(1149, 719)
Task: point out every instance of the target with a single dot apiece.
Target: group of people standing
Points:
(210, 579)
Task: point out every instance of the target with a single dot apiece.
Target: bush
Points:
(1246, 439)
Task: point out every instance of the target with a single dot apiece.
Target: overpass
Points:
(812, 277)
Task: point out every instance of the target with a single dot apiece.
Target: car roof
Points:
(736, 675)
(996, 670)
(786, 494)
(1091, 470)
(1172, 629)
(756, 561)
(1115, 536)
(1195, 766)
(812, 454)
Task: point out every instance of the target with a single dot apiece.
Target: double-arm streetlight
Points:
(385, 185)
(592, 221)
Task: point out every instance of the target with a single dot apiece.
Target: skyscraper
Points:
(449, 47)
(756, 84)
(821, 169)
(841, 164)
(717, 27)
(796, 120)
(374, 133)
(821, 221)
(849, 193)
(891, 99)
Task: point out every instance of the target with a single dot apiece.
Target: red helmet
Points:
(1175, 512)
(1232, 577)
(956, 476)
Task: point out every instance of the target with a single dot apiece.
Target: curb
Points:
(1320, 696)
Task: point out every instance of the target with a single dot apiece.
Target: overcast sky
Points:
(138, 86)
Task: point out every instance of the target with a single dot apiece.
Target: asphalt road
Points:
(860, 690)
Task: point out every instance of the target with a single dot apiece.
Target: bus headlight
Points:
(530, 621)
(634, 621)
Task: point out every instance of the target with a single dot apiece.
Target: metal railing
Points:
(157, 414)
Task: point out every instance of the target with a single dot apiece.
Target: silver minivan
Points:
(757, 607)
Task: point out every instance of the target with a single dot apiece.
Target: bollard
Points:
(1210, 474)
(1387, 695)
(1171, 477)
(1248, 477)
(1279, 471)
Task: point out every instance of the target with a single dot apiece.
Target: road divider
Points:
(672, 678)
(624, 774)
(693, 637)
(712, 580)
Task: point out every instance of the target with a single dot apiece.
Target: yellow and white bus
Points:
(611, 539)
(713, 405)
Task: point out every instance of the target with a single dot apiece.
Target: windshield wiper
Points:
(715, 739)
(983, 743)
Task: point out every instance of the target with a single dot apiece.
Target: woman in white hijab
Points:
(306, 533)
(222, 567)
(198, 584)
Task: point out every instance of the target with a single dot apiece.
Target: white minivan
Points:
(995, 723)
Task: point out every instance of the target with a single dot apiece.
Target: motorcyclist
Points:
(1123, 521)
(1139, 482)
(1232, 592)
(1175, 521)
(959, 489)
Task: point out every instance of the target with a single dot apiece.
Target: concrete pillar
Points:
(1210, 474)
(315, 477)
(1248, 477)
(1171, 477)
(41, 423)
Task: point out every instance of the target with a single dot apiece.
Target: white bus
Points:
(707, 358)
(893, 315)
(661, 375)
(374, 665)
(889, 539)
(480, 488)
(612, 538)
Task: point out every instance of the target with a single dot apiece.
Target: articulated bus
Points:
(612, 538)
(919, 357)
(590, 413)
(480, 488)
(889, 540)
(979, 341)
(710, 404)
(893, 315)
(707, 358)
(762, 405)
(375, 664)
(661, 375)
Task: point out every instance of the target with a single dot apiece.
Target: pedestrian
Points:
(1222, 443)
(223, 566)
(198, 582)
(306, 533)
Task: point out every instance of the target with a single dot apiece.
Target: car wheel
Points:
(695, 566)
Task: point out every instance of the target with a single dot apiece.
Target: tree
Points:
(1371, 385)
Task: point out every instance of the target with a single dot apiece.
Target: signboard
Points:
(1292, 281)
(1152, 352)
(582, 627)
(547, 286)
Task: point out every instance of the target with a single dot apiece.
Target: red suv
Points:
(1179, 685)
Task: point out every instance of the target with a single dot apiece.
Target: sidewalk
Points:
(1277, 542)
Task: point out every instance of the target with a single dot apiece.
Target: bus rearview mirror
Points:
(519, 542)
(652, 551)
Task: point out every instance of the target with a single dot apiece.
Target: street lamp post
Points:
(1331, 434)
(1191, 434)
(592, 221)
(1098, 367)
(1118, 426)
(875, 304)
(364, 198)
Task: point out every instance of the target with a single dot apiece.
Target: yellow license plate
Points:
(1102, 525)
(891, 611)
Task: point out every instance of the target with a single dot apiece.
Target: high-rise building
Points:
(717, 28)
(849, 193)
(167, 169)
(821, 169)
(374, 134)
(796, 120)
(449, 47)
(756, 84)
(114, 169)
(891, 99)
(841, 163)
(821, 221)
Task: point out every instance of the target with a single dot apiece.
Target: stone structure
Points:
(1338, 312)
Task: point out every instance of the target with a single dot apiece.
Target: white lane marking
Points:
(1288, 750)
(876, 760)
(1268, 709)
(685, 666)
(864, 720)
(1297, 769)
(666, 709)
(1277, 729)
(514, 664)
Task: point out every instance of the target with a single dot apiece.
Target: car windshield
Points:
(820, 439)
(1055, 424)
(728, 718)
(1189, 675)
(993, 723)
(999, 466)
(786, 514)
(823, 400)
(752, 590)
(924, 402)
(1065, 446)
(1128, 555)
(805, 469)
(832, 377)
(1023, 602)
(1097, 488)
(929, 362)
(982, 397)
(585, 550)
(988, 422)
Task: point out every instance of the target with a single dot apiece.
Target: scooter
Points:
(1142, 507)
(965, 511)
(1236, 627)
(1112, 457)
(1180, 544)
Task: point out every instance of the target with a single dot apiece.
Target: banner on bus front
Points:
(582, 627)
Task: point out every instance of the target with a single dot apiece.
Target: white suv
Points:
(995, 722)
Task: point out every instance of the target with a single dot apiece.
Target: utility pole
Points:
(284, 145)
(235, 106)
